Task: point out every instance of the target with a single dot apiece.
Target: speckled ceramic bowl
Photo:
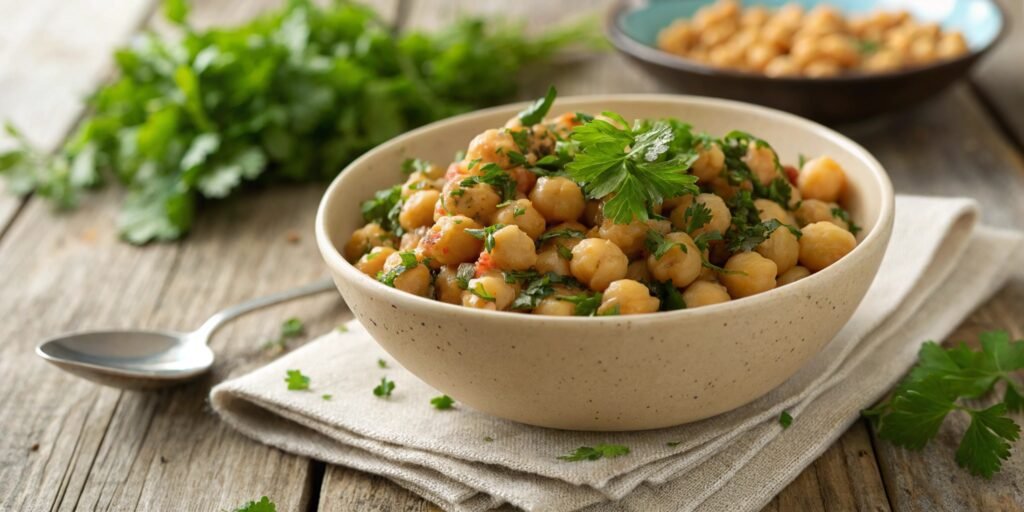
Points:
(612, 373)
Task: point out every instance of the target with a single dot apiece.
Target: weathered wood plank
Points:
(1000, 78)
(351, 490)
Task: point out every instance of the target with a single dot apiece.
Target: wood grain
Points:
(1000, 77)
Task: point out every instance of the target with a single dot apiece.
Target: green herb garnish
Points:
(409, 262)
(586, 303)
(785, 419)
(482, 292)
(560, 233)
(384, 389)
(382, 363)
(296, 380)
(535, 113)
(496, 177)
(485, 234)
(442, 402)
(844, 216)
(263, 505)
(465, 272)
(658, 244)
(598, 451)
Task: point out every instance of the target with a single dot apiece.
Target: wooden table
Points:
(67, 444)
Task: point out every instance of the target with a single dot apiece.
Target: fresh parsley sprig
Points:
(535, 113)
(263, 505)
(384, 389)
(912, 416)
(496, 177)
(634, 169)
(596, 452)
(485, 234)
(296, 380)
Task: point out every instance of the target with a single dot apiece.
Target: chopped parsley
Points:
(747, 230)
(785, 419)
(636, 167)
(586, 303)
(384, 389)
(560, 233)
(669, 297)
(535, 113)
(539, 289)
(442, 402)
(598, 451)
(482, 292)
(465, 272)
(326, 397)
(518, 210)
(384, 209)
(290, 328)
(409, 262)
(485, 234)
(518, 276)
(382, 363)
(496, 177)
(932, 390)
(658, 244)
(844, 216)
(263, 505)
(296, 380)
(563, 252)
(342, 328)
(696, 216)
(411, 165)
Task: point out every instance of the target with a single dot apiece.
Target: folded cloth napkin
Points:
(939, 267)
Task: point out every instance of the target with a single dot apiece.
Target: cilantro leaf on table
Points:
(382, 363)
(535, 113)
(263, 505)
(296, 380)
(384, 389)
(932, 390)
(291, 96)
(636, 168)
(596, 452)
(442, 402)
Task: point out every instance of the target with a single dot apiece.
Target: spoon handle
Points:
(219, 318)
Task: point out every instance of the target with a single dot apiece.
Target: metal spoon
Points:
(152, 359)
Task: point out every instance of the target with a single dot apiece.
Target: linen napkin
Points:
(938, 268)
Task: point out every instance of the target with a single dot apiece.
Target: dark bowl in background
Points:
(632, 27)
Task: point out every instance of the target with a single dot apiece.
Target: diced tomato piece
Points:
(791, 173)
(484, 264)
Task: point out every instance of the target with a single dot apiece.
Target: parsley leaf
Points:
(496, 177)
(658, 244)
(931, 391)
(442, 402)
(291, 328)
(384, 389)
(384, 208)
(326, 397)
(844, 216)
(482, 292)
(563, 252)
(560, 233)
(409, 261)
(598, 451)
(465, 272)
(636, 166)
(411, 165)
(586, 303)
(382, 363)
(696, 216)
(535, 113)
(296, 380)
(263, 505)
(539, 289)
(785, 419)
(669, 297)
(485, 234)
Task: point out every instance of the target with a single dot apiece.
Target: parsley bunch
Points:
(291, 96)
(912, 416)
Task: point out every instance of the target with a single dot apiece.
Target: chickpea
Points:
(721, 217)
(557, 199)
(661, 226)
(489, 292)
(951, 45)
(768, 209)
(812, 210)
(628, 297)
(748, 273)
(840, 49)
(821, 68)
(552, 306)
(629, 237)
(677, 38)
(754, 16)
(726, 56)
(597, 262)
(478, 202)
(417, 181)
(821, 178)
(446, 286)
(792, 275)
(716, 34)
(782, 248)
(804, 50)
(762, 161)
(513, 249)
(783, 65)
(418, 209)
(790, 14)
(679, 265)
(709, 164)
(447, 242)
(883, 60)
(372, 262)
(415, 280)
(760, 54)
(704, 293)
(521, 213)
(411, 239)
(674, 202)
(637, 271)
(707, 274)
(366, 238)
(778, 35)
(492, 146)
(525, 180)
(823, 244)
(921, 50)
(551, 259)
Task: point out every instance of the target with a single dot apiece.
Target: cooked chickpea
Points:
(411, 239)
(759, 55)
(525, 180)
(820, 68)
(418, 209)
(812, 210)
(783, 65)
(679, 265)
(883, 60)
(415, 280)
(748, 273)
(782, 248)
(417, 181)
(841, 49)
(366, 238)
(709, 164)
(372, 262)
(492, 146)
(628, 297)
(705, 293)
(629, 237)
(558, 199)
(721, 217)
(792, 275)
(446, 285)
(552, 306)
(551, 259)
(521, 213)
(768, 209)
(637, 271)
(597, 262)
(821, 178)
(678, 37)
(447, 242)
(489, 292)
(951, 45)
(823, 244)
(513, 249)
(762, 162)
(478, 202)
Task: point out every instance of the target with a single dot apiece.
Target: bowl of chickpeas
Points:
(607, 263)
(832, 61)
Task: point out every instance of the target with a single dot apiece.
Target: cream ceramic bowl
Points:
(612, 373)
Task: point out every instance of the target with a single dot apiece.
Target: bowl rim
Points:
(650, 54)
(878, 234)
